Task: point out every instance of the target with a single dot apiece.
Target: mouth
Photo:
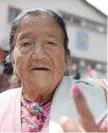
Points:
(40, 69)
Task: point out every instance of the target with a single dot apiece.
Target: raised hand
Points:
(86, 122)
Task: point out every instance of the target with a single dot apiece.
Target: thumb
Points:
(68, 125)
(104, 126)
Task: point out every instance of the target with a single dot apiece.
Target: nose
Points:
(38, 52)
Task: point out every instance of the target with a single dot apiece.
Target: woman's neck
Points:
(36, 96)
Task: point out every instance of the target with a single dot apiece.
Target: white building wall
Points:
(97, 41)
(76, 7)
(97, 44)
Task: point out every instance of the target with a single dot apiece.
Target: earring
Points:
(68, 71)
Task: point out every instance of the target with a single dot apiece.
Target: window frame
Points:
(14, 8)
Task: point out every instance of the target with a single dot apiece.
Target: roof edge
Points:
(96, 9)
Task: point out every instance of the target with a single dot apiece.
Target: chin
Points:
(41, 84)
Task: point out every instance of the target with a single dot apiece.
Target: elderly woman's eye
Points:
(51, 43)
(26, 44)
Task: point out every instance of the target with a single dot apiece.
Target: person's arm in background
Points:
(103, 83)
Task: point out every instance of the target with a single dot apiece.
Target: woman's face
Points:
(39, 57)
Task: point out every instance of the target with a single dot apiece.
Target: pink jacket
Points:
(62, 105)
(10, 115)
(11, 122)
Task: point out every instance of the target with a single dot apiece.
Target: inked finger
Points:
(85, 116)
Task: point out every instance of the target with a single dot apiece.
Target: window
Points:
(91, 25)
(83, 22)
(76, 20)
(101, 28)
(13, 13)
(66, 17)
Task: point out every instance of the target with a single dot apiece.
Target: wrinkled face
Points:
(39, 57)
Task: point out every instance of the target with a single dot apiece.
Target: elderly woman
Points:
(40, 55)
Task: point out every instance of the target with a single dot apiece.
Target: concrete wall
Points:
(72, 6)
(97, 41)
(76, 7)
(97, 44)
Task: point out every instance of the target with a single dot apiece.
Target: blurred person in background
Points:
(40, 56)
(91, 72)
(7, 72)
(77, 73)
(94, 73)
(12, 80)
(1, 69)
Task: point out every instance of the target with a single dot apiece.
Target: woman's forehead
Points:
(28, 33)
(37, 25)
(36, 21)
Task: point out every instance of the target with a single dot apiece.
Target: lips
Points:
(40, 69)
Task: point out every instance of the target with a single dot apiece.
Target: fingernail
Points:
(76, 90)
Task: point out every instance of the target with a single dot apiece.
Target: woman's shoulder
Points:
(86, 81)
(9, 94)
(87, 84)
(92, 86)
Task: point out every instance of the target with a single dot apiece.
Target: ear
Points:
(14, 69)
(67, 60)
(13, 64)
